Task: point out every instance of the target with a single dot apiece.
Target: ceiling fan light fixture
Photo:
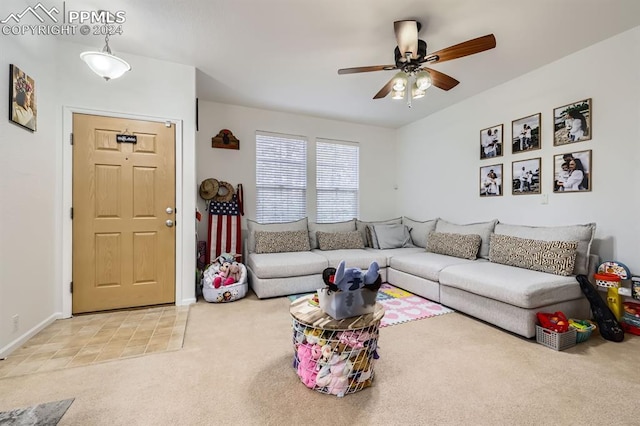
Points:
(400, 82)
(417, 93)
(423, 80)
(105, 64)
(398, 94)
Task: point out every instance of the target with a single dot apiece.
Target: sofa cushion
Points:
(458, 245)
(339, 240)
(353, 258)
(516, 286)
(362, 227)
(283, 265)
(253, 226)
(583, 234)
(424, 264)
(390, 236)
(484, 229)
(346, 226)
(281, 242)
(419, 230)
(389, 253)
(555, 257)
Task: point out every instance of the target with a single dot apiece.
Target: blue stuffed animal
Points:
(350, 279)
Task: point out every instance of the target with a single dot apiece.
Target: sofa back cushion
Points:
(346, 226)
(253, 227)
(583, 234)
(339, 240)
(554, 257)
(389, 236)
(465, 246)
(419, 231)
(281, 241)
(362, 227)
(484, 229)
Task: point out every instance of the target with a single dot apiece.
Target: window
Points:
(281, 178)
(337, 180)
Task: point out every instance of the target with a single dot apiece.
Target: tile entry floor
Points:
(93, 338)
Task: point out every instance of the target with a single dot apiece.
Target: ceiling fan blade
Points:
(407, 37)
(442, 80)
(385, 90)
(460, 50)
(366, 69)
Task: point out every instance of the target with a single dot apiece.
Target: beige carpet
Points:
(235, 368)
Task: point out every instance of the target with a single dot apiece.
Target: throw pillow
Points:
(253, 226)
(391, 236)
(459, 245)
(419, 230)
(362, 226)
(281, 242)
(484, 229)
(339, 240)
(554, 257)
(583, 234)
(346, 226)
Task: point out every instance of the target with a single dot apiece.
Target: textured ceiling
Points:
(284, 54)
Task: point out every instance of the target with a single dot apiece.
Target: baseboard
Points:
(184, 302)
(12, 346)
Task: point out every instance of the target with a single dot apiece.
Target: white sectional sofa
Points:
(499, 273)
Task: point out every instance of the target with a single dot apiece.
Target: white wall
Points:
(377, 152)
(438, 156)
(27, 191)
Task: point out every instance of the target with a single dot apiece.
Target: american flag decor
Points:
(225, 228)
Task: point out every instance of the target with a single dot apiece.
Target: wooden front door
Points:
(123, 196)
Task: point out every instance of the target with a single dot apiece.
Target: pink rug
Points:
(401, 306)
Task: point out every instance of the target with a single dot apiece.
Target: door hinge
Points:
(167, 124)
(70, 138)
(71, 212)
(71, 287)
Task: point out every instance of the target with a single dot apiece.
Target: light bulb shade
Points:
(416, 92)
(399, 82)
(398, 94)
(105, 65)
(423, 80)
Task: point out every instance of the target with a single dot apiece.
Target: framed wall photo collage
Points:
(572, 169)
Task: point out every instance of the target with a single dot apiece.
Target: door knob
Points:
(169, 223)
(169, 210)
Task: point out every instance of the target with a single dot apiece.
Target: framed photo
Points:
(572, 123)
(572, 172)
(525, 133)
(491, 180)
(23, 109)
(491, 142)
(526, 176)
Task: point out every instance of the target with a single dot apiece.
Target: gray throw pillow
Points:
(391, 236)
(362, 226)
(419, 230)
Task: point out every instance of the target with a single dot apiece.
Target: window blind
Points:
(281, 178)
(337, 180)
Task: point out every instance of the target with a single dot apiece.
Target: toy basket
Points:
(337, 362)
(583, 334)
(554, 340)
(225, 293)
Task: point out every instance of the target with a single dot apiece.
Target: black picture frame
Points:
(526, 176)
(23, 109)
(491, 139)
(572, 122)
(564, 173)
(491, 186)
(526, 133)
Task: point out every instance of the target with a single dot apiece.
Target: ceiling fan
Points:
(411, 56)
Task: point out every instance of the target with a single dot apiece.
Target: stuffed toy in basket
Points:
(224, 281)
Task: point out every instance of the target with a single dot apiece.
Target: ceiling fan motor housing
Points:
(402, 61)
